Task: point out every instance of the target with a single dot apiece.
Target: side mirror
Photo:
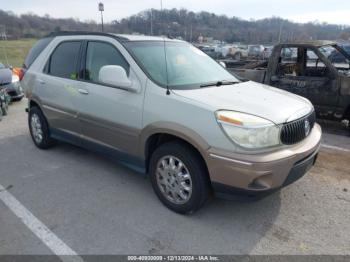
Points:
(222, 64)
(114, 75)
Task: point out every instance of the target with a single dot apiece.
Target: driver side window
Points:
(314, 66)
(287, 65)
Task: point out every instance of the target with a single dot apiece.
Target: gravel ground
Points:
(98, 207)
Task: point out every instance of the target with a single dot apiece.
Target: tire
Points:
(39, 129)
(194, 175)
(1, 114)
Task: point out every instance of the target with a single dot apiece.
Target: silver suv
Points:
(164, 108)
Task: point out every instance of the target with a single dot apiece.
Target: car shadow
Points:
(121, 205)
(240, 224)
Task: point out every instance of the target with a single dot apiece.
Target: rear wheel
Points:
(179, 177)
(39, 129)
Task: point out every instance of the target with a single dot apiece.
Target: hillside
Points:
(179, 22)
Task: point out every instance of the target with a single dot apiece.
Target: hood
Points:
(5, 76)
(253, 98)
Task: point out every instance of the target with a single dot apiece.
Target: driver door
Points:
(110, 117)
(308, 75)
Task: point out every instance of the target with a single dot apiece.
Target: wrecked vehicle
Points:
(5, 78)
(256, 51)
(238, 52)
(309, 74)
(11, 82)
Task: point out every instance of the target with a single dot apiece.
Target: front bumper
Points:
(14, 90)
(235, 174)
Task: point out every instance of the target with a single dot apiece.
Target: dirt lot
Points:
(93, 206)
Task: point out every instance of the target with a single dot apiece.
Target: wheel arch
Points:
(33, 103)
(155, 135)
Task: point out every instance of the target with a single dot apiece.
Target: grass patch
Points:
(15, 51)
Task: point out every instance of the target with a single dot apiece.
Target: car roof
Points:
(317, 43)
(119, 37)
(146, 38)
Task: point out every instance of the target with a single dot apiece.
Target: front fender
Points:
(178, 130)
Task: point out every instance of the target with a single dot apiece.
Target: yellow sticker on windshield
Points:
(181, 59)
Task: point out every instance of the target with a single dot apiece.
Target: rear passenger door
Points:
(110, 116)
(58, 90)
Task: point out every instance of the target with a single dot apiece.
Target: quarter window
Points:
(35, 51)
(64, 59)
(100, 54)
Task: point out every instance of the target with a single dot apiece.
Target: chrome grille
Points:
(296, 131)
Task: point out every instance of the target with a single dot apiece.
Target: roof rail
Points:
(67, 33)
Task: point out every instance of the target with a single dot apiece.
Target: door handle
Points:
(83, 91)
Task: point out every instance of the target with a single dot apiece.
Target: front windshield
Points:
(335, 57)
(187, 67)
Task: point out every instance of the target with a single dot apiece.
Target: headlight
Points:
(15, 78)
(249, 131)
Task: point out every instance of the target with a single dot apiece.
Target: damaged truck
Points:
(305, 68)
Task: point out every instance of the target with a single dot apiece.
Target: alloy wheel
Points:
(36, 128)
(174, 179)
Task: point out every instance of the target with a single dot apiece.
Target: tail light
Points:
(19, 72)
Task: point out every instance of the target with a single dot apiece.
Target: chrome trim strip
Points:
(88, 138)
(59, 111)
(231, 160)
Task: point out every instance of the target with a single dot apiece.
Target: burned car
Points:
(310, 74)
(5, 78)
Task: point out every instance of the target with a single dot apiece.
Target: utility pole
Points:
(191, 35)
(161, 17)
(4, 38)
(101, 8)
(280, 34)
(151, 21)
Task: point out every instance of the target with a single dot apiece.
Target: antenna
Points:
(165, 56)
(166, 68)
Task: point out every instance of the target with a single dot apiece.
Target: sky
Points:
(337, 12)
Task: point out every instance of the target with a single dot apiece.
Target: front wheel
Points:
(39, 129)
(179, 177)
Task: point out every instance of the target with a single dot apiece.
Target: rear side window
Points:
(63, 61)
(35, 51)
(100, 54)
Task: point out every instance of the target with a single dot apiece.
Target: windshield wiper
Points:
(219, 83)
